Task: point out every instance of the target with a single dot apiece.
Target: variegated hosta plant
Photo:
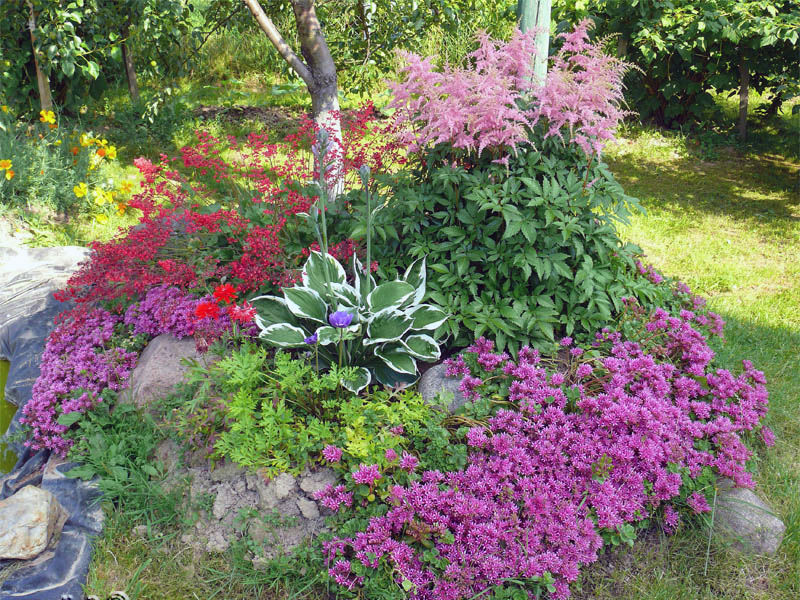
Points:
(381, 330)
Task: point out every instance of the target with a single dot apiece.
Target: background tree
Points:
(687, 49)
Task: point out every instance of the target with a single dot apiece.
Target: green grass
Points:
(730, 228)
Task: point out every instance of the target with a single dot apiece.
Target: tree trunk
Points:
(42, 81)
(535, 14)
(744, 92)
(130, 69)
(316, 69)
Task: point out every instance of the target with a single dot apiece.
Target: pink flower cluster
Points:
(78, 363)
(495, 101)
(576, 457)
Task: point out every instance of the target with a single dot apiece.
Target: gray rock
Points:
(284, 484)
(226, 498)
(314, 481)
(436, 388)
(226, 471)
(308, 508)
(745, 521)
(28, 521)
(159, 369)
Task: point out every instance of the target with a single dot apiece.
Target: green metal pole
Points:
(535, 14)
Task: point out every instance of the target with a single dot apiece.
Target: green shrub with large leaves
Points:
(387, 331)
(518, 253)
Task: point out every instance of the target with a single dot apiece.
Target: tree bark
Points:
(42, 81)
(744, 93)
(130, 69)
(316, 69)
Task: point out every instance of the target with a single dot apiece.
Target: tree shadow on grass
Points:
(762, 191)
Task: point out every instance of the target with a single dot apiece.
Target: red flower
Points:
(225, 293)
(206, 310)
(244, 313)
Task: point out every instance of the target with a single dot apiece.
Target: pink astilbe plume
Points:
(495, 101)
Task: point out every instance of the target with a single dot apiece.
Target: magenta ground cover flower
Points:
(572, 460)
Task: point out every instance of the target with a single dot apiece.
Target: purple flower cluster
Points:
(77, 364)
(163, 309)
(576, 457)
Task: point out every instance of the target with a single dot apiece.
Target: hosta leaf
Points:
(416, 276)
(346, 294)
(314, 272)
(330, 335)
(306, 303)
(283, 335)
(426, 317)
(392, 294)
(387, 326)
(398, 359)
(387, 376)
(423, 347)
(272, 310)
(361, 380)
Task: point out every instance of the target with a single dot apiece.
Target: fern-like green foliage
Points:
(281, 412)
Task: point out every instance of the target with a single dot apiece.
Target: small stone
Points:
(226, 471)
(436, 388)
(159, 369)
(284, 485)
(308, 508)
(746, 521)
(140, 531)
(226, 498)
(28, 521)
(315, 481)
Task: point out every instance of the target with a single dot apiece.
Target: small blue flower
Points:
(312, 339)
(340, 319)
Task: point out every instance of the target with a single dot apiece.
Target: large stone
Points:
(28, 521)
(315, 481)
(436, 388)
(160, 368)
(746, 521)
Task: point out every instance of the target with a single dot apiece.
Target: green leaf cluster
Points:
(520, 253)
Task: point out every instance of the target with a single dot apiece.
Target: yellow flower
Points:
(5, 164)
(101, 218)
(80, 190)
(47, 116)
(111, 152)
(126, 187)
(57, 143)
(10, 174)
(4, 108)
(102, 197)
(85, 140)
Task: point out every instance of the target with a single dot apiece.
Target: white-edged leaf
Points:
(387, 326)
(416, 276)
(327, 335)
(426, 317)
(306, 303)
(387, 376)
(314, 272)
(283, 335)
(423, 347)
(361, 277)
(392, 294)
(361, 380)
(398, 359)
(272, 310)
(346, 294)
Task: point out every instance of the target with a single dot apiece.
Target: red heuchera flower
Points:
(207, 310)
(242, 314)
(225, 293)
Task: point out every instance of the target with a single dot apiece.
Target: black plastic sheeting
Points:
(28, 278)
